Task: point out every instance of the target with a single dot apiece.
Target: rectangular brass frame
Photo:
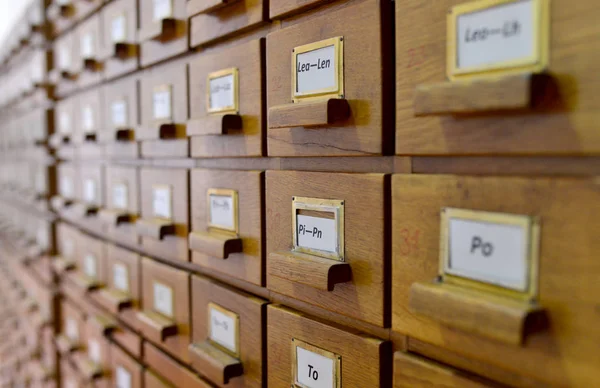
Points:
(155, 19)
(534, 64)
(158, 187)
(322, 352)
(236, 319)
(320, 205)
(123, 38)
(159, 89)
(531, 225)
(121, 183)
(236, 215)
(172, 300)
(335, 92)
(235, 109)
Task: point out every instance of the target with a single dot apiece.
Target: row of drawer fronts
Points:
(515, 236)
(359, 110)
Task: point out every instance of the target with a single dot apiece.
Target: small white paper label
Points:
(94, 352)
(64, 123)
(161, 202)
(87, 46)
(222, 93)
(223, 329)
(163, 299)
(488, 252)
(314, 370)
(120, 196)
(315, 70)
(119, 113)
(222, 212)
(162, 104)
(118, 29)
(64, 58)
(496, 35)
(87, 119)
(317, 233)
(121, 277)
(162, 9)
(72, 329)
(89, 266)
(66, 187)
(89, 191)
(123, 378)
(42, 238)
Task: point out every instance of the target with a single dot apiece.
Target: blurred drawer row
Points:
(476, 246)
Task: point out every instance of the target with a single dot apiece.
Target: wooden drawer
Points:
(165, 316)
(227, 335)
(284, 8)
(352, 119)
(94, 365)
(163, 226)
(64, 122)
(121, 110)
(166, 372)
(67, 238)
(505, 304)
(294, 341)
(89, 118)
(89, 64)
(233, 125)
(343, 273)
(72, 329)
(122, 204)
(163, 30)
(164, 111)
(214, 19)
(66, 63)
(91, 271)
(126, 372)
(90, 196)
(228, 238)
(119, 31)
(67, 175)
(545, 114)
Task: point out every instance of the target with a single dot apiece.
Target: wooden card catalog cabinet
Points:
(90, 191)
(499, 59)
(90, 63)
(327, 93)
(226, 218)
(214, 19)
(226, 102)
(94, 364)
(493, 255)
(163, 226)
(163, 371)
(126, 371)
(308, 353)
(67, 178)
(165, 315)
(91, 267)
(89, 120)
(227, 334)
(164, 111)
(119, 26)
(316, 227)
(163, 30)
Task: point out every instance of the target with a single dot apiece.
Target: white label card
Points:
(118, 29)
(66, 187)
(87, 46)
(87, 119)
(222, 211)
(314, 370)
(315, 70)
(163, 299)
(123, 378)
(162, 9)
(89, 266)
(161, 101)
(223, 329)
(161, 202)
(94, 352)
(222, 93)
(120, 196)
(64, 123)
(121, 277)
(119, 113)
(72, 329)
(317, 233)
(89, 190)
(488, 252)
(496, 35)
(64, 58)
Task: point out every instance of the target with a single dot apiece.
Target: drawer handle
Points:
(156, 228)
(104, 323)
(66, 10)
(164, 30)
(68, 76)
(214, 363)
(157, 324)
(58, 203)
(89, 369)
(124, 51)
(115, 217)
(214, 125)
(92, 65)
(513, 92)
(124, 134)
(56, 140)
(216, 244)
(171, 131)
(85, 210)
(320, 273)
(84, 283)
(90, 137)
(115, 301)
(65, 345)
(60, 265)
(309, 114)
(494, 317)
(195, 7)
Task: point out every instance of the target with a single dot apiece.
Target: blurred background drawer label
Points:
(161, 102)
(123, 377)
(89, 190)
(163, 299)
(89, 265)
(162, 201)
(94, 352)
(120, 277)
(315, 367)
(120, 196)
(64, 123)
(223, 209)
(119, 113)
(162, 9)
(318, 69)
(118, 29)
(87, 119)
(224, 328)
(87, 45)
(72, 329)
(223, 91)
(66, 187)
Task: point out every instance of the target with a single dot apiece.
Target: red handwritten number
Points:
(410, 241)
(416, 56)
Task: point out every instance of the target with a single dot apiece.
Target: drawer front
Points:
(72, 328)
(64, 122)
(121, 110)
(90, 187)
(527, 289)
(216, 115)
(122, 204)
(91, 261)
(227, 325)
(98, 352)
(67, 181)
(88, 38)
(296, 343)
(165, 210)
(89, 119)
(66, 59)
(426, 121)
(283, 8)
(348, 212)
(355, 116)
(165, 317)
(165, 372)
(119, 31)
(163, 30)
(212, 19)
(227, 225)
(67, 238)
(126, 372)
